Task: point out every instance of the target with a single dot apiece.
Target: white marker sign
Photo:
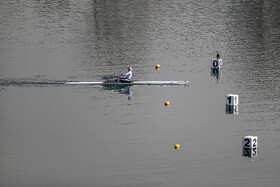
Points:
(216, 63)
(250, 141)
(232, 99)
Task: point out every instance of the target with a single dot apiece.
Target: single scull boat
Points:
(130, 83)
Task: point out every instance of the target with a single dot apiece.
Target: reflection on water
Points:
(215, 72)
(231, 109)
(122, 89)
(249, 152)
(127, 91)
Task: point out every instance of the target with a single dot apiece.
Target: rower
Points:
(127, 76)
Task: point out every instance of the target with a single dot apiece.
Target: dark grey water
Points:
(56, 135)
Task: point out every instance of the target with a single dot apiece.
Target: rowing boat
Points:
(130, 83)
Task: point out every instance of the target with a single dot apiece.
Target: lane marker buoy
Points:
(176, 146)
(167, 103)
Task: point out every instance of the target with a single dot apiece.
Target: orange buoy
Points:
(157, 66)
(167, 103)
(176, 146)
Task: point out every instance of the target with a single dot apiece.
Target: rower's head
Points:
(130, 69)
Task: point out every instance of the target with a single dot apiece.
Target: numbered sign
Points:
(216, 63)
(249, 152)
(232, 99)
(250, 141)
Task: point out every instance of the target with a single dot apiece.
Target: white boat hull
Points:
(130, 83)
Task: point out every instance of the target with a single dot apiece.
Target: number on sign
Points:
(247, 142)
(254, 141)
(215, 63)
(229, 100)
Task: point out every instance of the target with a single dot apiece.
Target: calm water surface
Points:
(57, 135)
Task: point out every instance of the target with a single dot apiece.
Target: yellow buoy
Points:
(176, 146)
(166, 103)
(157, 66)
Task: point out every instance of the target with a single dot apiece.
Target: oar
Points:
(112, 79)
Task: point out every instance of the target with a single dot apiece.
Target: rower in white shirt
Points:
(127, 76)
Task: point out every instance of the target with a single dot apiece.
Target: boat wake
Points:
(30, 82)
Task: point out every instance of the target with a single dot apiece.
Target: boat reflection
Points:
(122, 89)
(249, 152)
